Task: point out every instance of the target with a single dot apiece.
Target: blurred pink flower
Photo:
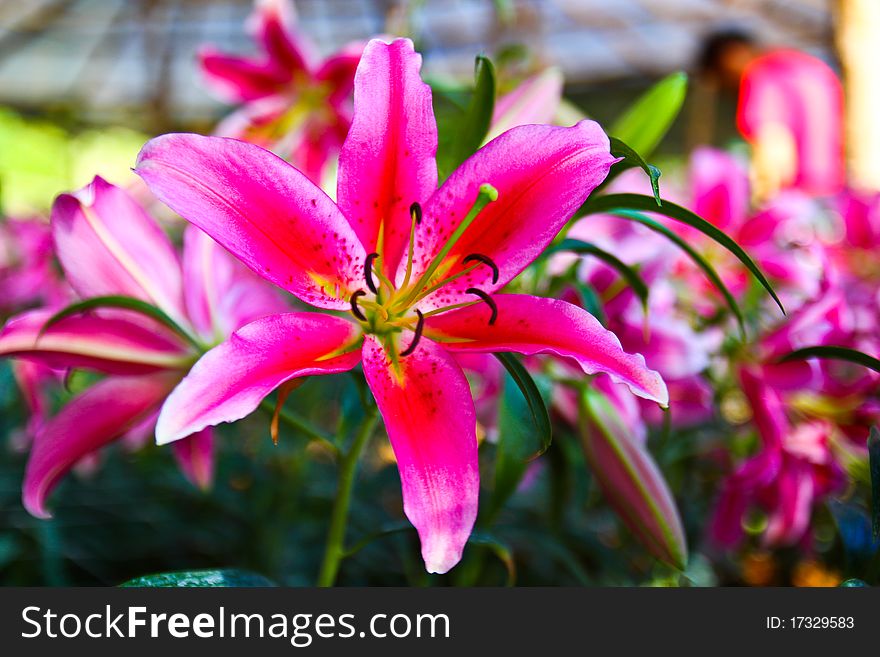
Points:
(793, 470)
(790, 93)
(440, 256)
(29, 275)
(294, 104)
(779, 236)
(108, 245)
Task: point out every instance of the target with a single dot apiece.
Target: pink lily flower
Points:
(663, 334)
(417, 270)
(294, 104)
(108, 245)
(791, 106)
(793, 471)
(534, 100)
(778, 235)
(28, 276)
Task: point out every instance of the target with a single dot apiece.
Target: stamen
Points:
(368, 272)
(487, 194)
(354, 305)
(489, 301)
(415, 211)
(486, 260)
(418, 335)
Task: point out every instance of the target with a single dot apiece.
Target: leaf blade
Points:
(648, 120)
(222, 578)
(632, 159)
(643, 203)
(123, 303)
(628, 273)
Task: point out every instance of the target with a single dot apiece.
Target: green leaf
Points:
(701, 262)
(124, 303)
(632, 159)
(648, 120)
(834, 353)
(874, 466)
(612, 202)
(591, 301)
(523, 427)
(629, 274)
(500, 549)
(200, 579)
(477, 119)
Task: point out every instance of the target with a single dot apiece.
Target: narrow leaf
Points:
(521, 437)
(200, 579)
(629, 274)
(591, 302)
(834, 353)
(537, 408)
(648, 120)
(500, 550)
(632, 159)
(699, 260)
(123, 303)
(474, 127)
(613, 202)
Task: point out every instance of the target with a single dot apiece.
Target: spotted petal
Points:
(268, 214)
(543, 174)
(532, 325)
(231, 380)
(429, 415)
(387, 161)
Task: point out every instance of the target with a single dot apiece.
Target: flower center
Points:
(385, 309)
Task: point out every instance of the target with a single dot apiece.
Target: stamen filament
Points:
(486, 195)
(445, 281)
(415, 212)
(454, 306)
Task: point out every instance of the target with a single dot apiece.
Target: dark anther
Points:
(368, 272)
(415, 341)
(415, 211)
(489, 302)
(354, 305)
(486, 260)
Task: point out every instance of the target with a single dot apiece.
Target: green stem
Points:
(334, 552)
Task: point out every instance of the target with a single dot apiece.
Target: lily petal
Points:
(534, 100)
(231, 380)
(195, 458)
(533, 325)
(221, 293)
(268, 214)
(91, 420)
(112, 345)
(238, 79)
(543, 174)
(430, 419)
(108, 245)
(387, 162)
